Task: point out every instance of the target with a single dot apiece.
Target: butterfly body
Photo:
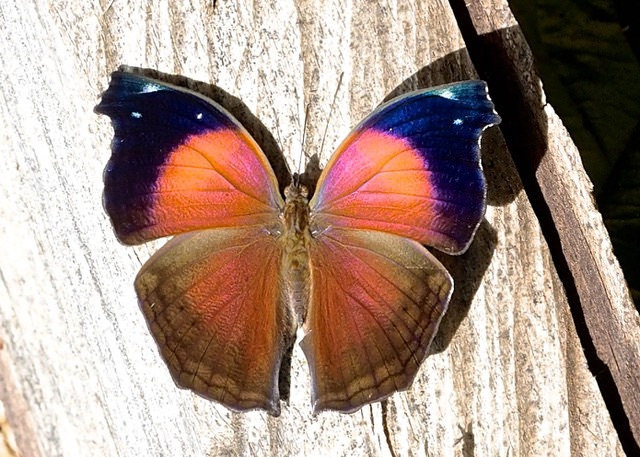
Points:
(246, 268)
(295, 241)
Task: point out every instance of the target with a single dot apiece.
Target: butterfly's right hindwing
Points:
(213, 303)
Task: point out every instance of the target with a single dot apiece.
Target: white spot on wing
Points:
(199, 116)
(458, 122)
(448, 94)
(149, 87)
(136, 114)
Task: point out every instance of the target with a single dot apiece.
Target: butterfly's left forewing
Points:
(180, 162)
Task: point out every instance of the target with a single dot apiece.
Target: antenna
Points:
(304, 137)
(324, 136)
(279, 142)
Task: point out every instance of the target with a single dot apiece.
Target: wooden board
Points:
(555, 180)
(79, 373)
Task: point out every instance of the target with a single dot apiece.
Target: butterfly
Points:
(246, 267)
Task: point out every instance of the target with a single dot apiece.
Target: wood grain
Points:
(551, 167)
(80, 375)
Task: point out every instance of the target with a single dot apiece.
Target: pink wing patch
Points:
(379, 182)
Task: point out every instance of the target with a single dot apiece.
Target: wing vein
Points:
(214, 168)
(417, 196)
(229, 224)
(362, 262)
(382, 275)
(374, 319)
(181, 293)
(365, 349)
(392, 223)
(330, 327)
(381, 166)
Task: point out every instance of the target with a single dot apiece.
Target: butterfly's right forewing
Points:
(413, 168)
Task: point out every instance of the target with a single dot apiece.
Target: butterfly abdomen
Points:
(295, 245)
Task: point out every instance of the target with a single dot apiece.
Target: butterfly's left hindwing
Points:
(213, 303)
(180, 162)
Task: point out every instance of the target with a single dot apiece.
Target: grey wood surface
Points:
(80, 375)
(591, 271)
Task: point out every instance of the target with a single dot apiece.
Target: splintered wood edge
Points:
(609, 312)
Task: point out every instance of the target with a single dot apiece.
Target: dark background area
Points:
(588, 53)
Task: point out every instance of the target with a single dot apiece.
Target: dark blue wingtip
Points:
(403, 115)
(474, 93)
(119, 85)
(135, 99)
(122, 87)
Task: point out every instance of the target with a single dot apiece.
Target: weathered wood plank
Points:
(80, 374)
(551, 165)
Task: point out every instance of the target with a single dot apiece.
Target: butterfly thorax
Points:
(295, 241)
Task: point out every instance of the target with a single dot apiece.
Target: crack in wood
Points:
(385, 427)
(523, 130)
